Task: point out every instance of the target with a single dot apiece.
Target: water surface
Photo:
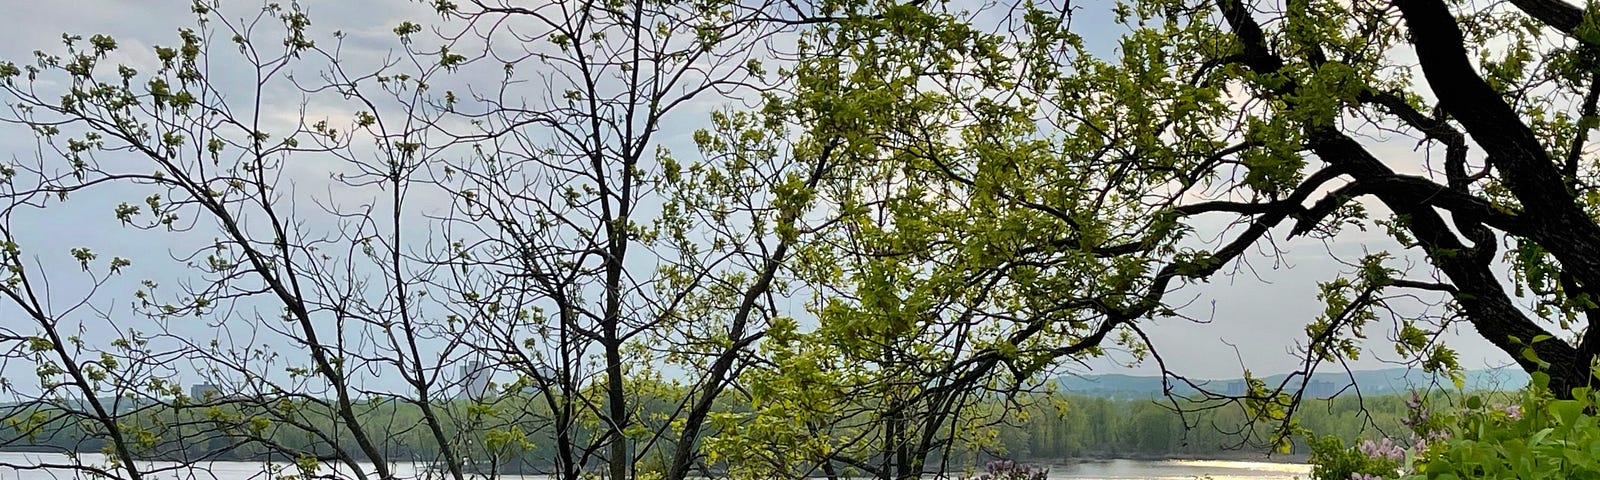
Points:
(1179, 469)
(1092, 470)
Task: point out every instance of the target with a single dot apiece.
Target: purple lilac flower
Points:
(1514, 411)
(1385, 449)
(1420, 444)
(1011, 470)
(1363, 476)
(1418, 415)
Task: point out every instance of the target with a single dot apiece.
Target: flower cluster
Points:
(1384, 457)
(1418, 415)
(1369, 460)
(1385, 449)
(1421, 442)
(1010, 470)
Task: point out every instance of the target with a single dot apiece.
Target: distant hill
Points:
(1323, 384)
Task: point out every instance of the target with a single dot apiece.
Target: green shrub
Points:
(1531, 436)
(1540, 437)
(1332, 461)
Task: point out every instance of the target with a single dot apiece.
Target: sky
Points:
(1251, 317)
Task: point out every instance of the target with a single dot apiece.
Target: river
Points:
(1095, 470)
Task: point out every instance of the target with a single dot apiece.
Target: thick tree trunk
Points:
(1568, 374)
(616, 398)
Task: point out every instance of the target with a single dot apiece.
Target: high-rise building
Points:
(203, 392)
(1322, 389)
(475, 380)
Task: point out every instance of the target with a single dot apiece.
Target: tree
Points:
(292, 311)
(1054, 194)
(928, 211)
(581, 240)
(547, 232)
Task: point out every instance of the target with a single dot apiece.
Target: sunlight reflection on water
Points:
(1179, 469)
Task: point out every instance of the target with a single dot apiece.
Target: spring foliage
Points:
(839, 237)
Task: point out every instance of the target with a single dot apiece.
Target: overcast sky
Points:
(1255, 316)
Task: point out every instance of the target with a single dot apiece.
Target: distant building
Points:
(475, 381)
(1321, 389)
(202, 392)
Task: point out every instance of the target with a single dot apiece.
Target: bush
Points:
(1009, 470)
(1536, 436)
(1540, 437)
(1332, 461)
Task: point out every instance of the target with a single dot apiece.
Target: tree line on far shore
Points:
(1040, 428)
